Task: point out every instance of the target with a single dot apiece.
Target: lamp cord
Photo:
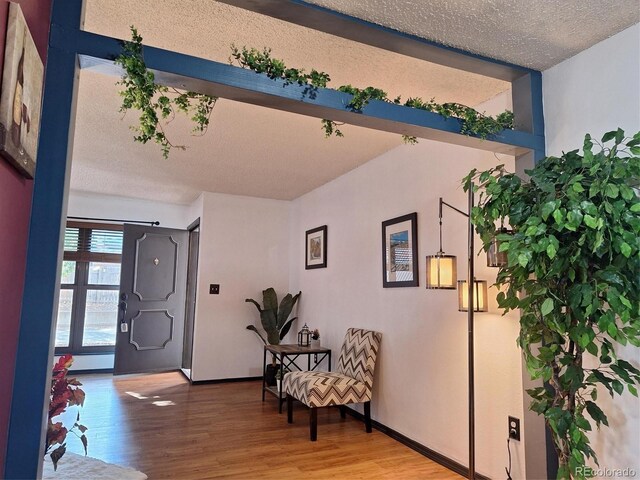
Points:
(508, 470)
(440, 217)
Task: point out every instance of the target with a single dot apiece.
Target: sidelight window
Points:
(90, 282)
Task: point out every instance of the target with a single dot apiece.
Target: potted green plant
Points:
(275, 322)
(315, 338)
(572, 272)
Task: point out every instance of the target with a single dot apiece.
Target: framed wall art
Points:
(400, 251)
(21, 95)
(316, 248)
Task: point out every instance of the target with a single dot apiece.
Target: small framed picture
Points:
(400, 251)
(316, 248)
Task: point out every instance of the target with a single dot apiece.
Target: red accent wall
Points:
(15, 209)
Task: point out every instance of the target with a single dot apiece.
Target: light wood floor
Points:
(166, 428)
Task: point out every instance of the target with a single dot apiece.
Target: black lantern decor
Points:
(304, 336)
(496, 258)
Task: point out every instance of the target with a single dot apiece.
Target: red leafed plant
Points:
(65, 392)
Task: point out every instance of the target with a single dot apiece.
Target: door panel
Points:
(151, 281)
(151, 329)
(152, 299)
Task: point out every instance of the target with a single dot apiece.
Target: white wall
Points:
(596, 91)
(421, 376)
(86, 204)
(244, 247)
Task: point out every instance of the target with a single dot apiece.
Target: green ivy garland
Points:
(473, 122)
(142, 93)
(154, 103)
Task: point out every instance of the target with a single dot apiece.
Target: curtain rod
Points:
(115, 220)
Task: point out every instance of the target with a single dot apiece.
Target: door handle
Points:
(124, 327)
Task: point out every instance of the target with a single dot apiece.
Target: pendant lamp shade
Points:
(479, 296)
(441, 271)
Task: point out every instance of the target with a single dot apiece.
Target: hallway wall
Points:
(421, 376)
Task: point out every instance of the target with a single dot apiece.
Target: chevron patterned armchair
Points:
(351, 383)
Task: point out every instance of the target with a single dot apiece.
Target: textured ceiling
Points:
(248, 150)
(259, 152)
(533, 33)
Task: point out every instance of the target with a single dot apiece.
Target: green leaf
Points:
(632, 390)
(592, 349)
(558, 216)
(611, 190)
(625, 301)
(547, 307)
(625, 249)
(596, 413)
(617, 387)
(583, 423)
(608, 136)
(257, 332)
(255, 303)
(270, 299)
(551, 251)
(523, 259)
(635, 208)
(626, 192)
(547, 209)
(590, 221)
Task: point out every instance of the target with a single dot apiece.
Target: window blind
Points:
(92, 244)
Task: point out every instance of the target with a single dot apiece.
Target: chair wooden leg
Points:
(367, 416)
(313, 424)
(289, 409)
(343, 411)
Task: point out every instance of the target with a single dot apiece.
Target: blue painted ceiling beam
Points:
(234, 83)
(67, 43)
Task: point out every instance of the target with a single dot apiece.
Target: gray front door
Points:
(152, 299)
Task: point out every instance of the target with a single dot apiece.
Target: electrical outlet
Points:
(514, 428)
(214, 289)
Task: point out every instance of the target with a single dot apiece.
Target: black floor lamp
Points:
(441, 274)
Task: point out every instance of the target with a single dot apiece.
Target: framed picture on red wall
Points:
(21, 96)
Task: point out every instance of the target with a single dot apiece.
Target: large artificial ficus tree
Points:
(574, 274)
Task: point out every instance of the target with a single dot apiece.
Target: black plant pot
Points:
(270, 375)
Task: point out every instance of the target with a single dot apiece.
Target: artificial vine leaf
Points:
(140, 92)
(547, 307)
(472, 121)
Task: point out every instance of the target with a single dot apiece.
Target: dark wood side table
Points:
(288, 356)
